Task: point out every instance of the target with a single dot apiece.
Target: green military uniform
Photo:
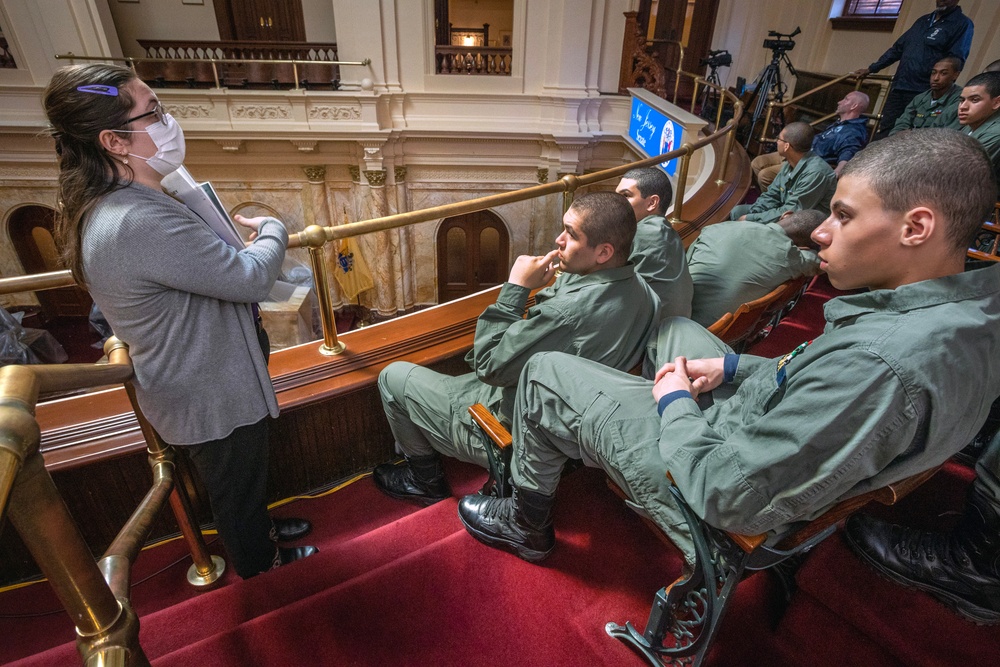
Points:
(658, 255)
(810, 184)
(988, 134)
(732, 263)
(899, 381)
(924, 111)
(606, 316)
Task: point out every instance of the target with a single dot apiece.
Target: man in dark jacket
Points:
(944, 32)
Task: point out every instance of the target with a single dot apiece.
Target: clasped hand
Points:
(533, 272)
(691, 375)
(252, 223)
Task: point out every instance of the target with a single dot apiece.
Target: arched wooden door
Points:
(472, 254)
(30, 229)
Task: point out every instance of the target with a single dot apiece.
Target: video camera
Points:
(720, 58)
(782, 42)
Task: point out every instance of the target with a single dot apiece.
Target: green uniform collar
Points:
(976, 284)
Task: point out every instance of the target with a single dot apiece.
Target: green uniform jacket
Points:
(606, 316)
(658, 255)
(810, 184)
(924, 111)
(899, 381)
(732, 263)
(988, 134)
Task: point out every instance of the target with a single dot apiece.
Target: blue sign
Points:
(654, 132)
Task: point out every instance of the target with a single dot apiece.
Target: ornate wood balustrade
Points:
(175, 63)
(473, 60)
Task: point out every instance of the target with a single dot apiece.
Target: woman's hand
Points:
(251, 223)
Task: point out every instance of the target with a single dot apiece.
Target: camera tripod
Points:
(768, 86)
(711, 97)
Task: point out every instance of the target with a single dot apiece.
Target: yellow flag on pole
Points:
(352, 271)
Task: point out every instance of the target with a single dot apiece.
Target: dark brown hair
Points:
(607, 217)
(81, 101)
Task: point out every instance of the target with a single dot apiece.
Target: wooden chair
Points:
(690, 610)
(743, 327)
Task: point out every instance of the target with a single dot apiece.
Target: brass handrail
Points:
(225, 61)
(812, 91)
(37, 282)
(95, 595)
(680, 62)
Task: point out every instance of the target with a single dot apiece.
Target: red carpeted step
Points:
(856, 607)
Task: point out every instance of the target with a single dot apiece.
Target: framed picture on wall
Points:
(505, 39)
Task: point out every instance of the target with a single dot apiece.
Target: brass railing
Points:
(812, 91)
(95, 595)
(316, 237)
(215, 62)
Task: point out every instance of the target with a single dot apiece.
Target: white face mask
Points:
(168, 137)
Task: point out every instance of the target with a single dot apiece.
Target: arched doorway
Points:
(472, 254)
(31, 232)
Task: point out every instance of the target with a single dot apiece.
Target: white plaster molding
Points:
(261, 111)
(330, 112)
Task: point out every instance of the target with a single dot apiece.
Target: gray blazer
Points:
(180, 297)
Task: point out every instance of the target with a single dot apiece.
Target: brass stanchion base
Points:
(196, 579)
(332, 351)
(720, 182)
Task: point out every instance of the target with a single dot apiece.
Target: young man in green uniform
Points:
(732, 263)
(598, 309)
(937, 107)
(657, 251)
(805, 180)
(979, 114)
(900, 380)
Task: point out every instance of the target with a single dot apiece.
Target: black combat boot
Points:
(961, 568)
(521, 524)
(420, 479)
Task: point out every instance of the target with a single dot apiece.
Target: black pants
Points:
(895, 104)
(234, 471)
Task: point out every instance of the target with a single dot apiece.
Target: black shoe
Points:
(291, 554)
(290, 529)
(521, 525)
(959, 568)
(420, 479)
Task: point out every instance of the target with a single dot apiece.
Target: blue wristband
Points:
(667, 399)
(729, 364)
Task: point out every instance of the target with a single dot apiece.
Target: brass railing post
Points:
(295, 74)
(730, 140)
(569, 194)
(682, 175)
(205, 568)
(767, 121)
(720, 104)
(694, 95)
(315, 239)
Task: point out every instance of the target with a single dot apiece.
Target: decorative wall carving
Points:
(315, 174)
(230, 145)
(189, 110)
(375, 177)
(464, 173)
(261, 111)
(305, 146)
(355, 172)
(543, 175)
(323, 112)
(400, 174)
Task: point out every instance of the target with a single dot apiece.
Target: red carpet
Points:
(402, 585)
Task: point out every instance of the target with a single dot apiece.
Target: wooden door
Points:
(261, 20)
(472, 254)
(30, 229)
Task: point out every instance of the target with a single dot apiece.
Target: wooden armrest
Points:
(491, 425)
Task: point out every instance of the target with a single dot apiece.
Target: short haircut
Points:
(800, 136)
(953, 176)
(861, 99)
(799, 226)
(954, 61)
(990, 80)
(652, 181)
(607, 217)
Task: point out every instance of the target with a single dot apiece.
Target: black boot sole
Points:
(956, 603)
(516, 548)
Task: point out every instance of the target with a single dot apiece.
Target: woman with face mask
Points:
(180, 297)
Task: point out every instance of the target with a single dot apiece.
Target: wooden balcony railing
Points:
(172, 63)
(473, 60)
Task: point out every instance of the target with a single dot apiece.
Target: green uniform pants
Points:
(567, 408)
